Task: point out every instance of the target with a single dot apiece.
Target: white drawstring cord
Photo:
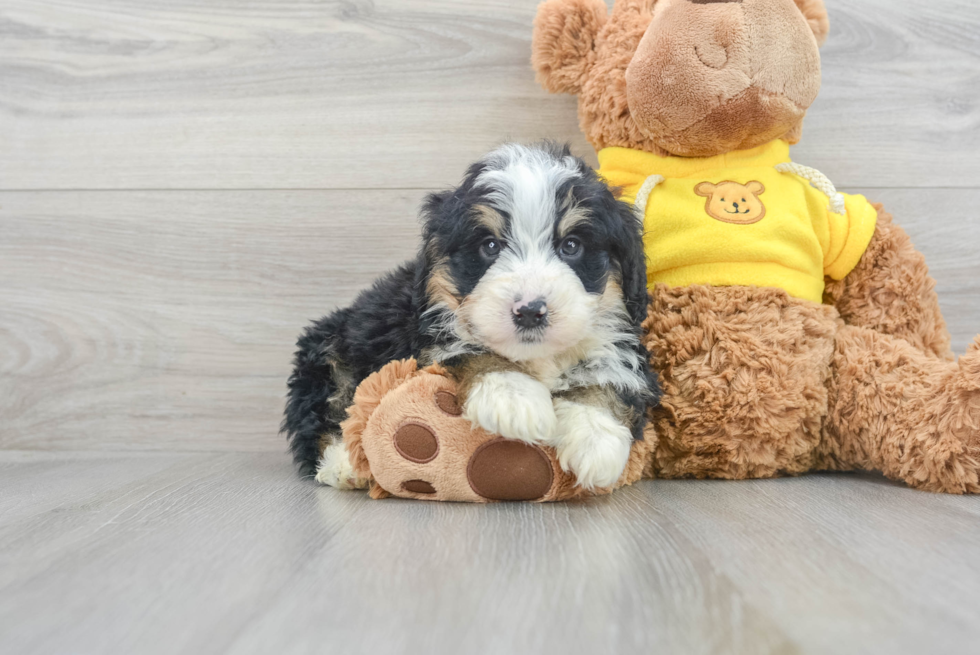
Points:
(643, 195)
(819, 181)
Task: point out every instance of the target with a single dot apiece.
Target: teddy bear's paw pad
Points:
(448, 403)
(418, 487)
(505, 469)
(416, 443)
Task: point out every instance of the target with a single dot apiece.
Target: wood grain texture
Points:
(230, 553)
(366, 94)
(166, 320)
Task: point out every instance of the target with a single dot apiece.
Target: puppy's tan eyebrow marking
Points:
(490, 219)
(574, 214)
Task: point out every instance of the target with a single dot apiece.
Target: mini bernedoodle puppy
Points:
(530, 287)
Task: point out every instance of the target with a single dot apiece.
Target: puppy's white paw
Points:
(591, 443)
(336, 471)
(512, 405)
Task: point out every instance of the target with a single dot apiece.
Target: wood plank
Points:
(812, 553)
(899, 103)
(121, 94)
(231, 553)
(166, 320)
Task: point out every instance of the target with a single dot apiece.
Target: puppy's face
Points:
(530, 256)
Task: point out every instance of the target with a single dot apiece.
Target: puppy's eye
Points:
(571, 248)
(490, 248)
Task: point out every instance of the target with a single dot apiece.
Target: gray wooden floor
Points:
(183, 185)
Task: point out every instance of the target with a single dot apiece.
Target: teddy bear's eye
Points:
(723, 200)
(743, 199)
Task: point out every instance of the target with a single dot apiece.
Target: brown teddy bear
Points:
(793, 328)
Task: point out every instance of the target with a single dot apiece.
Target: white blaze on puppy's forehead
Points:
(524, 182)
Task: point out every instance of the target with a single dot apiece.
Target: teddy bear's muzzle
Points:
(692, 86)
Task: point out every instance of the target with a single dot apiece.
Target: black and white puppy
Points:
(530, 287)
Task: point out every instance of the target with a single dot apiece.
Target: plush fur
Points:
(530, 284)
(816, 17)
(896, 409)
(565, 50)
(756, 383)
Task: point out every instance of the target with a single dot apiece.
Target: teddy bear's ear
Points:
(816, 15)
(756, 188)
(563, 45)
(705, 189)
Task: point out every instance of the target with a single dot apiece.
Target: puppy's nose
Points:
(532, 315)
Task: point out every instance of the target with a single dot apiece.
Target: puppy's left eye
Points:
(571, 248)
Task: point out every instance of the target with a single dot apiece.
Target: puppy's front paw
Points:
(512, 405)
(591, 443)
(336, 471)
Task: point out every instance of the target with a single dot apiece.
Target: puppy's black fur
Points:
(396, 318)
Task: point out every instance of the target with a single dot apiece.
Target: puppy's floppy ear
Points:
(563, 45)
(432, 216)
(632, 263)
(816, 16)
(431, 213)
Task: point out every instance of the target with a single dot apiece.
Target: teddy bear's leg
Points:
(744, 373)
(890, 291)
(904, 412)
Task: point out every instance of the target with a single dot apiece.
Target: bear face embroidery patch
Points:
(731, 202)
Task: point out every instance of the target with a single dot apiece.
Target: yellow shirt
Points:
(735, 220)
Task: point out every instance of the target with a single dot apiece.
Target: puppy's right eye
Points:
(490, 248)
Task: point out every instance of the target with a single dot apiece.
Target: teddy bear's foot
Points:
(904, 412)
(335, 469)
(411, 437)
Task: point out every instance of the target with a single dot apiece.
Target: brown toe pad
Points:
(416, 443)
(504, 469)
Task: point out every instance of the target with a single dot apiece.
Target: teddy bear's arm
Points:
(890, 291)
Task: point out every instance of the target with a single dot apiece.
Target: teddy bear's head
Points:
(692, 78)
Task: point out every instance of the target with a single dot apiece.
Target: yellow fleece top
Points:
(735, 220)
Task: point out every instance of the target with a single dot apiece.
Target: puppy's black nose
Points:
(532, 315)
